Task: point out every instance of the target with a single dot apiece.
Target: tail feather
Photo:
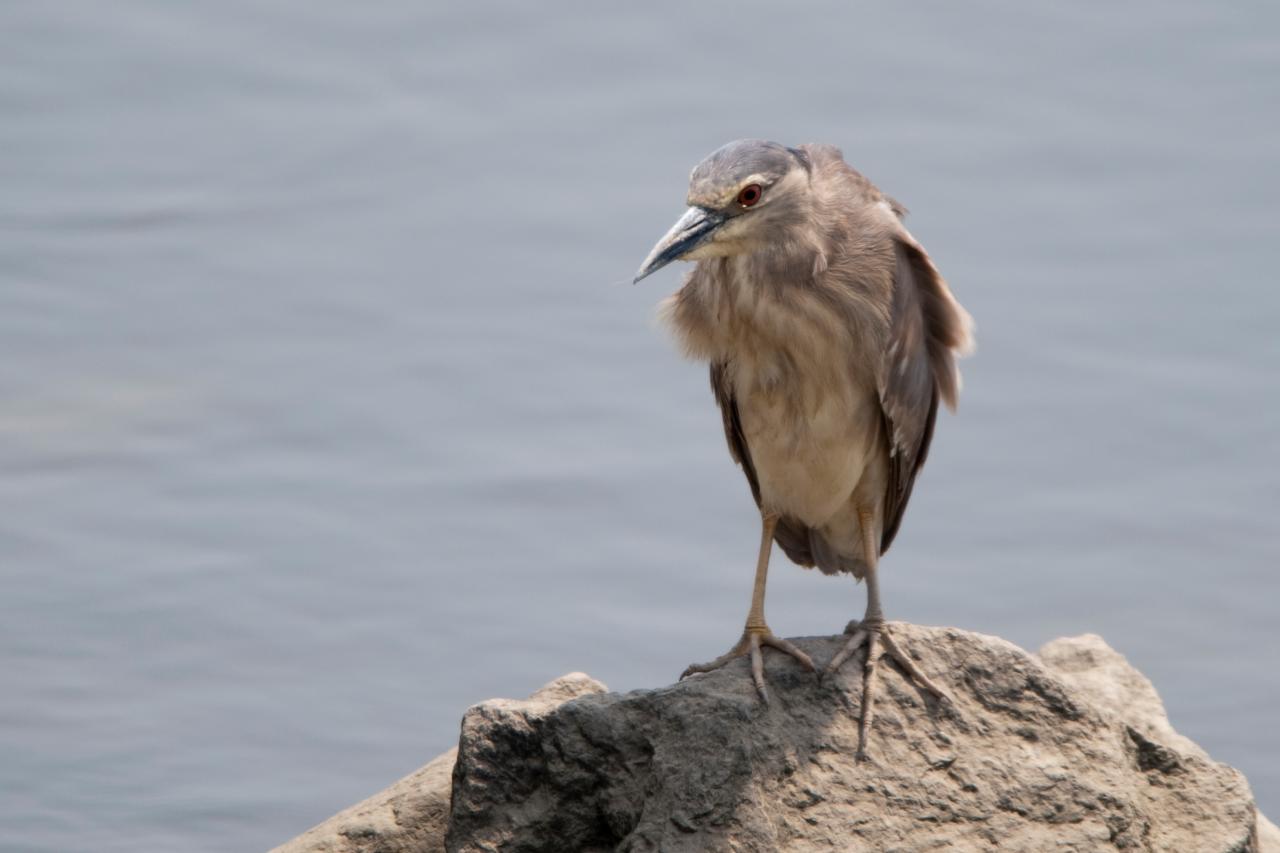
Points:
(832, 561)
(807, 547)
(793, 537)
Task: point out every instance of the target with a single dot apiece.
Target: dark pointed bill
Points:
(689, 232)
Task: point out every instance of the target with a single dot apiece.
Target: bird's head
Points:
(742, 198)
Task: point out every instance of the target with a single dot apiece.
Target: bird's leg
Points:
(756, 634)
(876, 635)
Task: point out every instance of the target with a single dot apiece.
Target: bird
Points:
(831, 339)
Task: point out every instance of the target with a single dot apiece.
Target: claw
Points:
(879, 641)
(790, 648)
(757, 668)
(709, 666)
(868, 693)
(751, 646)
(909, 666)
(846, 651)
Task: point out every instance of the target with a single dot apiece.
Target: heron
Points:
(831, 339)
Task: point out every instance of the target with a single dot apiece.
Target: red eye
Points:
(749, 195)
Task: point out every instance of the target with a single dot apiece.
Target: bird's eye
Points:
(749, 195)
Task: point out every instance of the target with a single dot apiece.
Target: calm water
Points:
(325, 412)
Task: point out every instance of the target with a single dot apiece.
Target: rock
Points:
(1111, 683)
(412, 815)
(1072, 753)
(1105, 678)
(1069, 752)
(1268, 835)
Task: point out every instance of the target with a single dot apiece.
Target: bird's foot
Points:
(878, 639)
(754, 639)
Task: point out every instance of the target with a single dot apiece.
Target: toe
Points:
(791, 649)
(735, 652)
(757, 668)
(846, 651)
(868, 692)
(910, 667)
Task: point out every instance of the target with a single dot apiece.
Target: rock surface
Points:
(1022, 759)
(413, 814)
(1069, 751)
(1107, 680)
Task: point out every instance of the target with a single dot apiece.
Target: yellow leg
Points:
(875, 634)
(755, 616)
(756, 633)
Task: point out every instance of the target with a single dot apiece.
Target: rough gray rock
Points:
(412, 815)
(1102, 674)
(1072, 752)
(1105, 678)
(1025, 758)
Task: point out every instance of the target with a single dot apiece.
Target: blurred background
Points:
(327, 408)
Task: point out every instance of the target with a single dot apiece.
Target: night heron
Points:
(831, 338)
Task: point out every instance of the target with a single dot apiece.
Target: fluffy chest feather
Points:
(802, 380)
(806, 421)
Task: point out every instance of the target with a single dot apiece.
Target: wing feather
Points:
(927, 330)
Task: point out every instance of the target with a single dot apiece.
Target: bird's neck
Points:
(784, 263)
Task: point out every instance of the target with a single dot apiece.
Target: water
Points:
(326, 411)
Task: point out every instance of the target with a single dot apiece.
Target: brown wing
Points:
(927, 329)
(791, 535)
(733, 425)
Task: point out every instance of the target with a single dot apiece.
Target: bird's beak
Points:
(690, 231)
